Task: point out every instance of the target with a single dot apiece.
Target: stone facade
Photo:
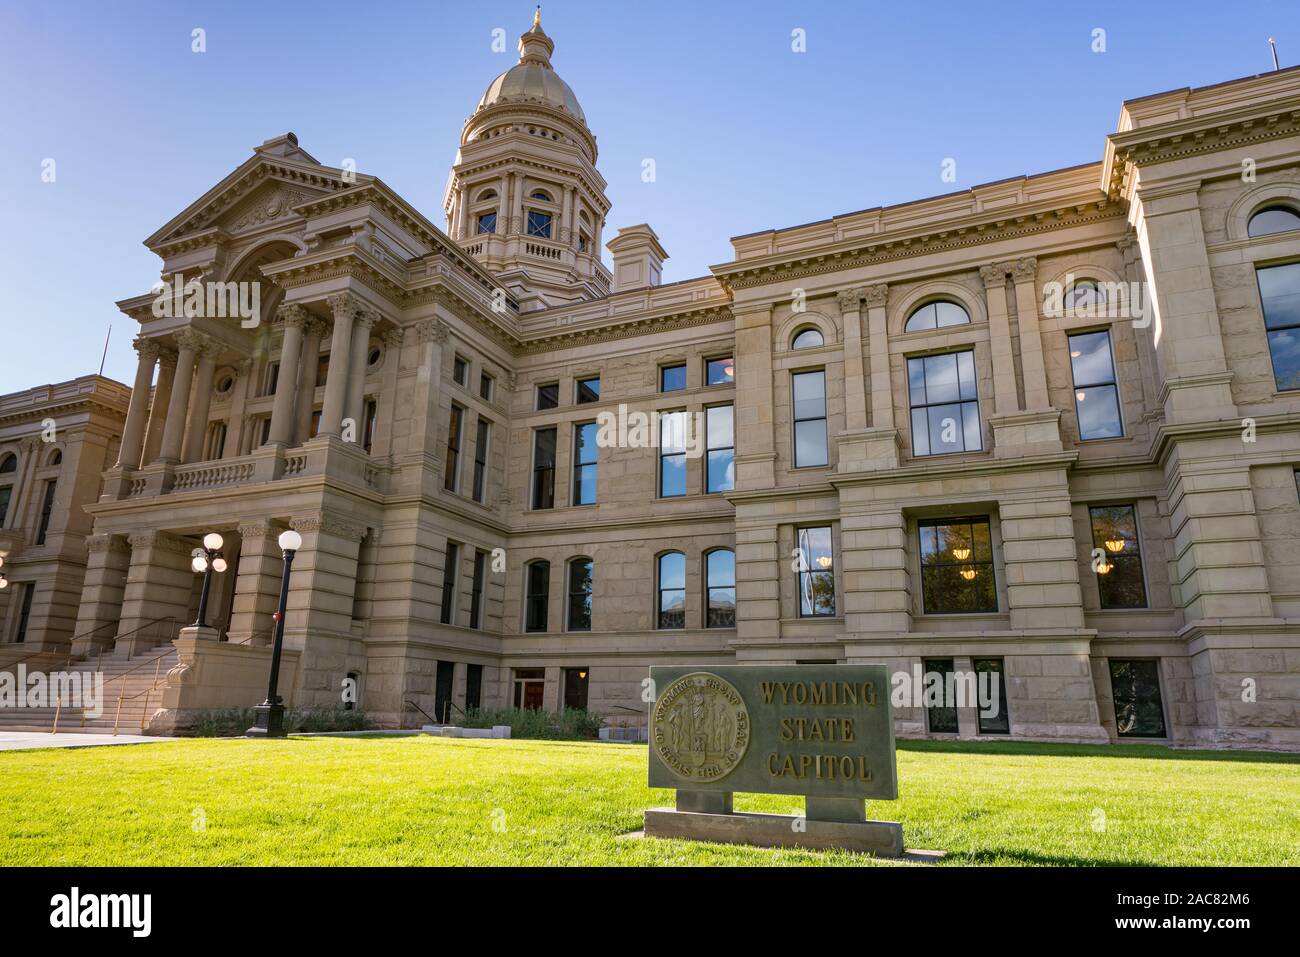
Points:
(354, 407)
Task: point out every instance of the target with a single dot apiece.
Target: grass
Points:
(425, 800)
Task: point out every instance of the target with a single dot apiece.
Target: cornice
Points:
(623, 330)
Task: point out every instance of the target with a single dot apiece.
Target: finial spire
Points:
(537, 16)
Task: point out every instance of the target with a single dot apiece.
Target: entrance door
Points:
(442, 691)
(533, 694)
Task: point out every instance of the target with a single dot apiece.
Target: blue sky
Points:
(745, 133)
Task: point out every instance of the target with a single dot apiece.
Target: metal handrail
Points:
(432, 719)
(68, 660)
(128, 671)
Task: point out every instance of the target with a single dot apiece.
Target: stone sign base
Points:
(881, 838)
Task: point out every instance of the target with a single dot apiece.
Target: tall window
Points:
(719, 371)
(372, 415)
(575, 688)
(1279, 292)
(580, 583)
(453, 448)
(672, 378)
(672, 590)
(993, 716)
(957, 567)
(587, 390)
(476, 589)
(720, 588)
(47, 509)
(537, 595)
(942, 718)
(1096, 397)
(451, 560)
(460, 370)
(720, 445)
(6, 492)
(809, 418)
(481, 457)
(584, 463)
(539, 224)
(1135, 690)
(487, 222)
(945, 403)
(544, 468)
(816, 573)
(1119, 573)
(672, 454)
(25, 611)
(548, 395)
(485, 384)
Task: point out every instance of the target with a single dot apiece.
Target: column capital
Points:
(849, 299)
(393, 338)
(342, 303)
(366, 317)
(1025, 270)
(291, 314)
(147, 348)
(876, 295)
(995, 274)
(192, 340)
(329, 526)
(432, 330)
(316, 326)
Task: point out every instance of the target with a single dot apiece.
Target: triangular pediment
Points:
(263, 189)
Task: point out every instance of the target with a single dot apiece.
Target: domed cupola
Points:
(524, 196)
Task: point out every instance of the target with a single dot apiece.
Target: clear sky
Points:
(746, 134)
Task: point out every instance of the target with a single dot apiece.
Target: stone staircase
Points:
(137, 681)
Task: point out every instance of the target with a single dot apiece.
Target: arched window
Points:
(537, 595)
(56, 458)
(806, 339)
(9, 463)
(580, 580)
(671, 608)
(541, 194)
(720, 588)
(1273, 219)
(1085, 298)
(486, 195)
(937, 315)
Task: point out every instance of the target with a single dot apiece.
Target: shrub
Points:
(571, 724)
(233, 722)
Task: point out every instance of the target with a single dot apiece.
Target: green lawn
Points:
(424, 800)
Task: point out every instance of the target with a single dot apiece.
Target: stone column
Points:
(517, 205)
(188, 344)
(159, 584)
(344, 306)
(1032, 365)
(354, 402)
(107, 560)
(238, 424)
(162, 395)
(568, 227)
(133, 431)
(1005, 398)
(882, 395)
(855, 386)
(423, 427)
(286, 383)
(755, 440)
(382, 443)
(503, 205)
(257, 588)
(197, 426)
(309, 367)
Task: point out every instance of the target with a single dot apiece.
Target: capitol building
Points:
(1045, 429)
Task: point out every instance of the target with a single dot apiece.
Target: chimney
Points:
(638, 257)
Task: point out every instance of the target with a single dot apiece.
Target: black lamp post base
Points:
(268, 723)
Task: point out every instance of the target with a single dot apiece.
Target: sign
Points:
(823, 731)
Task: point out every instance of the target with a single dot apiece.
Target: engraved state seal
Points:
(700, 727)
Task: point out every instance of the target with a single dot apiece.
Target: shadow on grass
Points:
(1148, 751)
(1020, 857)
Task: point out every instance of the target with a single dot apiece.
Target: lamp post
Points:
(207, 560)
(270, 713)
